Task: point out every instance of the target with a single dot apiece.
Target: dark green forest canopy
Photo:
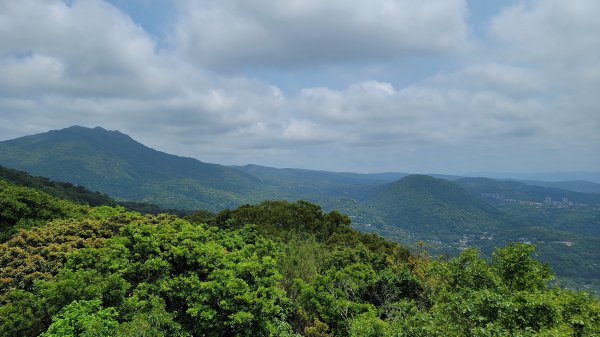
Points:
(62, 190)
(77, 193)
(272, 269)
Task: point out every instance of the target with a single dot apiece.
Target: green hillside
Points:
(553, 208)
(62, 190)
(113, 163)
(79, 194)
(482, 213)
(23, 207)
(272, 269)
(433, 207)
(449, 218)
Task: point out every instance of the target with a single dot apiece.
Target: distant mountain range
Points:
(543, 177)
(573, 185)
(447, 212)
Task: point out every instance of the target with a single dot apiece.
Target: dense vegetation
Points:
(447, 215)
(435, 207)
(62, 190)
(272, 269)
(22, 207)
(79, 194)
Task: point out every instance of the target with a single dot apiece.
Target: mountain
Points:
(520, 191)
(114, 163)
(313, 184)
(552, 208)
(448, 213)
(573, 185)
(433, 207)
(547, 176)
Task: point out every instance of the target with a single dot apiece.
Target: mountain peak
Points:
(114, 163)
(79, 128)
(85, 130)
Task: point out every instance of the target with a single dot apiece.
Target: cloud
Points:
(231, 33)
(87, 47)
(86, 62)
(518, 97)
(495, 76)
(417, 114)
(560, 36)
(20, 73)
(558, 40)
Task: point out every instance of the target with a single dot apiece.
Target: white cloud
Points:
(494, 76)
(418, 114)
(21, 73)
(561, 36)
(90, 48)
(307, 32)
(86, 62)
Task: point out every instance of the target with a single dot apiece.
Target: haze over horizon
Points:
(446, 86)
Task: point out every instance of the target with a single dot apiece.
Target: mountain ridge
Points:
(114, 163)
(440, 212)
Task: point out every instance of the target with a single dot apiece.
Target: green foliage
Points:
(61, 190)
(40, 253)
(337, 296)
(367, 325)
(390, 288)
(504, 297)
(519, 270)
(22, 207)
(148, 317)
(272, 269)
(414, 208)
(85, 319)
(287, 222)
(435, 208)
(78, 194)
(280, 218)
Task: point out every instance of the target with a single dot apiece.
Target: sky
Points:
(421, 86)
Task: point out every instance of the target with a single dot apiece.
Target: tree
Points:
(83, 319)
(517, 268)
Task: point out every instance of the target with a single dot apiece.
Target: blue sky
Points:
(444, 86)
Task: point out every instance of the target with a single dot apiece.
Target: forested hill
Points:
(272, 269)
(441, 213)
(63, 190)
(433, 206)
(316, 185)
(113, 163)
(77, 193)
